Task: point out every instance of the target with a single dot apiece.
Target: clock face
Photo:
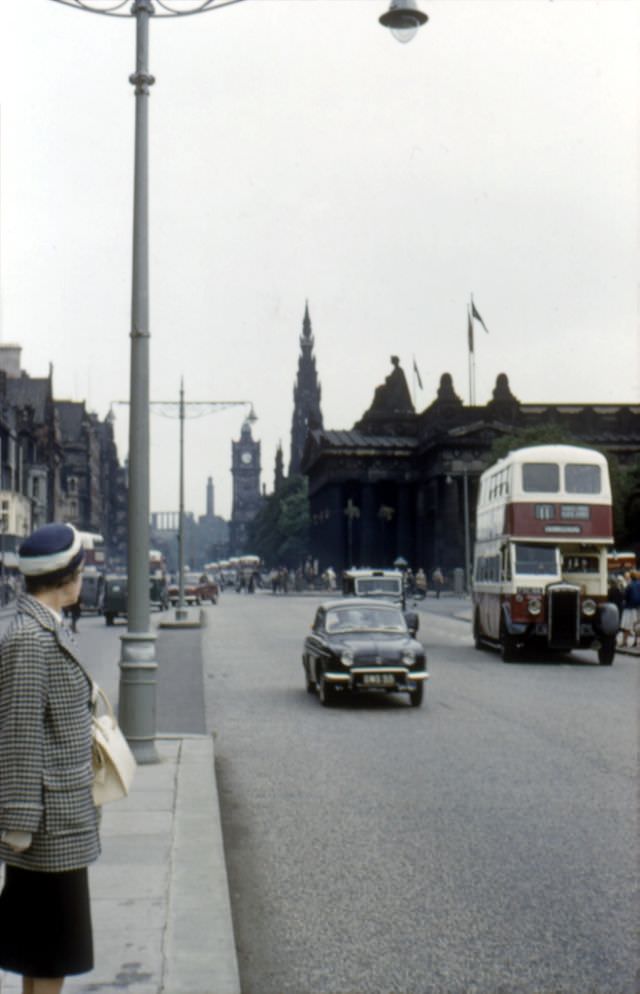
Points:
(247, 458)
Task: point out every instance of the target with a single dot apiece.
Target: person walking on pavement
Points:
(73, 612)
(438, 580)
(48, 821)
(630, 623)
(421, 583)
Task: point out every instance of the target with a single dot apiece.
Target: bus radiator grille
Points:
(563, 612)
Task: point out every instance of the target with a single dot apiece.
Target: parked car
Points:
(208, 589)
(361, 644)
(198, 587)
(114, 601)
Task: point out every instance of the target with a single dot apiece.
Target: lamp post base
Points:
(137, 697)
(183, 617)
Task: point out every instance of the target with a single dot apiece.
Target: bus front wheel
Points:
(607, 651)
(477, 641)
(508, 647)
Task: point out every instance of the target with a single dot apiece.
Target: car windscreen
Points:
(346, 619)
(536, 559)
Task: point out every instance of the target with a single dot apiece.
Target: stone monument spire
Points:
(306, 396)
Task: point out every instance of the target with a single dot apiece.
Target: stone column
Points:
(367, 526)
(405, 526)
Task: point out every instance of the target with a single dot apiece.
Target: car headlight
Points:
(589, 608)
(408, 658)
(534, 605)
(347, 658)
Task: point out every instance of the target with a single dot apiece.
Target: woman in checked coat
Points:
(48, 822)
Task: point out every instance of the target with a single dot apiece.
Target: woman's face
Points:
(71, 590)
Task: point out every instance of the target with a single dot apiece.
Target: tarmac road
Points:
(483, 843)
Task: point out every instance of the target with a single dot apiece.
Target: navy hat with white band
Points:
(52, 552)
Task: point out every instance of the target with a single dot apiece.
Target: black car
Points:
(358, 644)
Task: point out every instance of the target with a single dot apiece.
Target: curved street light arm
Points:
(125, 8)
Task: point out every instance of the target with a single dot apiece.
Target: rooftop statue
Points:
(392, 396)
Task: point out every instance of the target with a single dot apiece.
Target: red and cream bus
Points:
(544, 525)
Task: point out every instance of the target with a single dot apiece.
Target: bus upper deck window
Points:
(540, 477)
(580, 479)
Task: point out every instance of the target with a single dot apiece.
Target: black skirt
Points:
(45, 923)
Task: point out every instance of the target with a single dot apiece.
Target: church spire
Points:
(306, 395)
(278, 478)
(306, 325)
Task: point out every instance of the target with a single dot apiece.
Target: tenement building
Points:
(58, 462)
(396, 483)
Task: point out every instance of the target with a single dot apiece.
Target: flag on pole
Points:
(476, 315)
(417, 372)
(470, 330)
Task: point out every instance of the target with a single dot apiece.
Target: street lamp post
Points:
(351, 512)
(138, 665)
(403, 19)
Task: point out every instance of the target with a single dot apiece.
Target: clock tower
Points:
(245, 472)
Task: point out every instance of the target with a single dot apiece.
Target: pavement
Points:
(159, 892)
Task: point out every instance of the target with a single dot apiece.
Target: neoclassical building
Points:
(396, 484)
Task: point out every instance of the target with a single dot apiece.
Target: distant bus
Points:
(544, 526)
(92, 591)
(621, 562)
(93, 545)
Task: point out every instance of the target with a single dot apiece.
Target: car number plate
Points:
(378, 679)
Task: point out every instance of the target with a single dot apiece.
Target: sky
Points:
(299, 153)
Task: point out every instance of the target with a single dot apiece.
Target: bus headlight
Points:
(589, 608)
(535, 605)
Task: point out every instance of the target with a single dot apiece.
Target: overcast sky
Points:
(297, 151)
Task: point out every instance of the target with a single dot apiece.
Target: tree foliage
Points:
(548, 434)
(279, 533)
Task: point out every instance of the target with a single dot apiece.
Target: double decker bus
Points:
(544, 526)
(92, 590)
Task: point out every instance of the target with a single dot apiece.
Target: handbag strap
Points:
(98, 693)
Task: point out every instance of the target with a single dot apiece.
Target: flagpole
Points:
(415, 382)
(472, 364)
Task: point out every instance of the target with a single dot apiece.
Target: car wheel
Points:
(607, 651)
(477, 641)
(310, 685)
(416, 696)
(214, 600)
(326, 692)
(108, 619)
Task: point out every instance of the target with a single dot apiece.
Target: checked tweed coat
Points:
(45, 744)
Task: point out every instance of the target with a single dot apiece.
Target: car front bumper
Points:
(372, 677)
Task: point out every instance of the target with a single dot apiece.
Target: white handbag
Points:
(114, 765)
